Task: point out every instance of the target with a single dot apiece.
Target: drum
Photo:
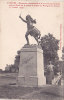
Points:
(35, 32)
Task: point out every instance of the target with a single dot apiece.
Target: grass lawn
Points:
(16, 92)
(13, 92)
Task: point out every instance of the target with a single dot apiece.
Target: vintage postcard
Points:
(32, 49)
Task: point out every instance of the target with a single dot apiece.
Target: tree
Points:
(63, 62)
(63, 53)
(50, 47)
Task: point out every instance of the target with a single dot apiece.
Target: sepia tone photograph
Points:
(31, 50)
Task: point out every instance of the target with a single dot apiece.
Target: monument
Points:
(31, 66)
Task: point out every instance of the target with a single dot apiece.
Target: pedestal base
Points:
(31, 67)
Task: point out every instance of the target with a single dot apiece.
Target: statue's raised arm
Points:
(22, 19)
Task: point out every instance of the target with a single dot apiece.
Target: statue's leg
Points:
(26, 36)
(36, 39)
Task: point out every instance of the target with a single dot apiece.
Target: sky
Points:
(12, 29)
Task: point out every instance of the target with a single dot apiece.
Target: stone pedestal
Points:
(31, 67)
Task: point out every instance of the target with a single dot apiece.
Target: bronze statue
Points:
(31, 30)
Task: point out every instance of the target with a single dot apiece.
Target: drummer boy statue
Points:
(31, 30)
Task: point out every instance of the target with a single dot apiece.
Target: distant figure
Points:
(50, 73)
(33, 31)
